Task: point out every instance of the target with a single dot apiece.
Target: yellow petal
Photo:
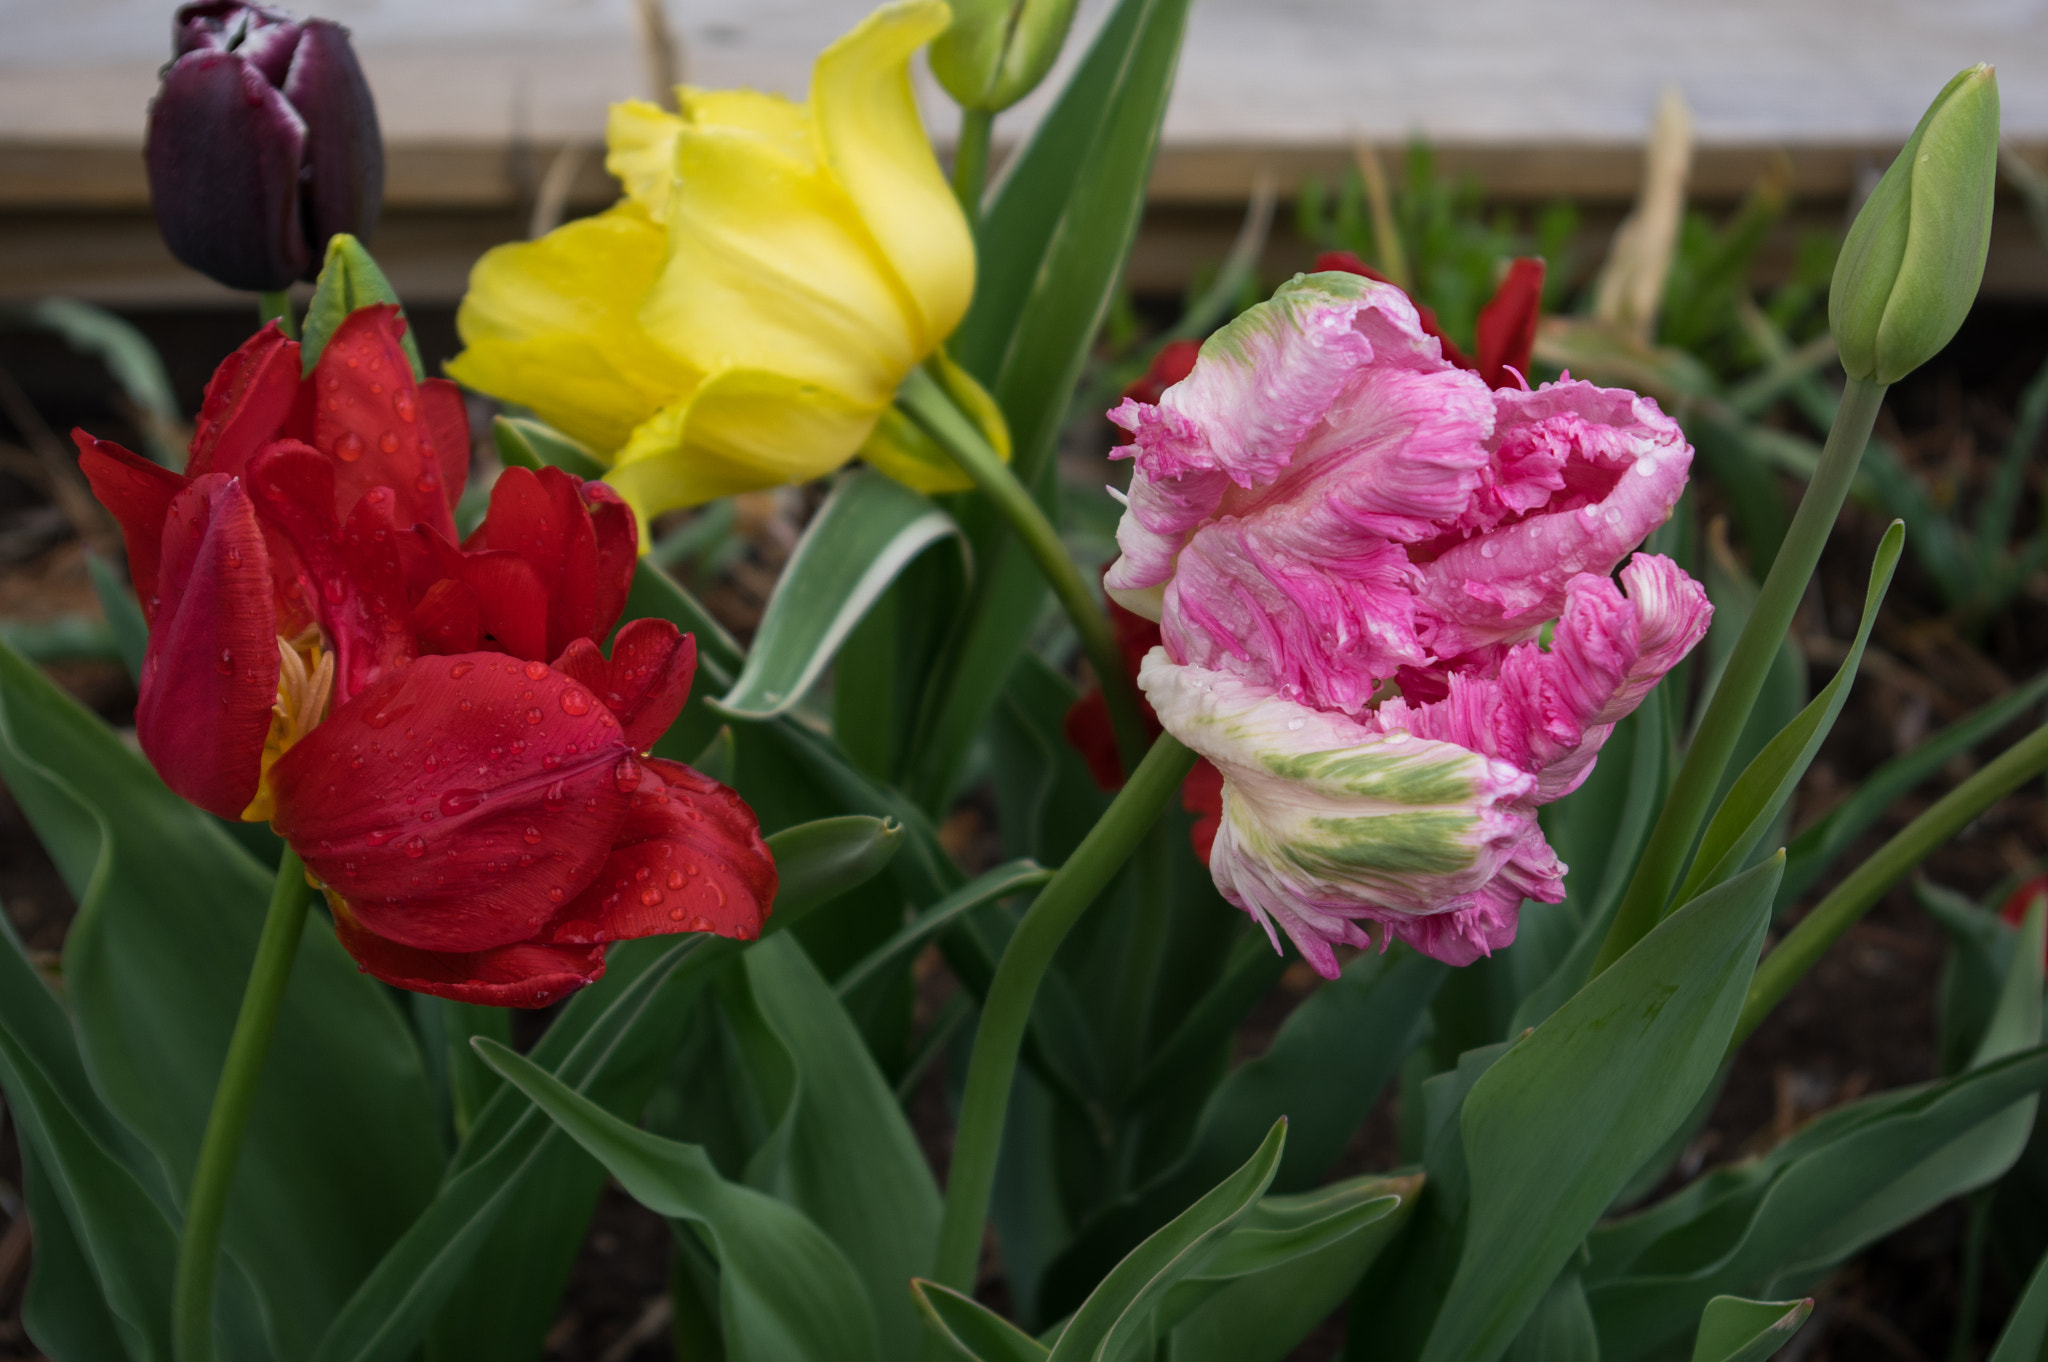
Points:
(640, 151)
(742, 430)
(769, 269)
(900, 448)
(554, 324)
(876, 146)
(784, 122)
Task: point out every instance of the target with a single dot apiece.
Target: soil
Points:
(1864, 1020)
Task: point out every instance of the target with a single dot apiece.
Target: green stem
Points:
(970, 160)
(276, 306)
(1678, 825)
(1007, 1010)
(199, 1247)
(1152, 911)
(926, 403)
(1867, 883)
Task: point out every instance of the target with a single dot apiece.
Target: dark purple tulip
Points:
(263, 143)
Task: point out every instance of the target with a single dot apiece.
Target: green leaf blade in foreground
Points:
(1737, 1330)
(523, 442)
(867, 532)
(785, 1291)
(1555, 1127)
(342, 1151)
(970, 1329)
(2026, 1331)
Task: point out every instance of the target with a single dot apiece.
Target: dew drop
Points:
(719, 890)
(626, 775)
(388, 442)
(1296, 725)
(401, 402)
(554, 797)
(531, 836)
(643, 874)
(425, 482)
(377, 837)
(701, 924)
(432, 764)
(1396, 736)
(533, 716)
(460, 801)
(1646, 467)
(549, 762)
(349, 447)
(1489, 548)
(676, 880)
(333, 590)
(233, 556)
(465, 706)
(225, 665)
(376, 390)
(675, 915)
(460, 670)
(575, 703)
(652, 895)
(536, 671)
(554, 896)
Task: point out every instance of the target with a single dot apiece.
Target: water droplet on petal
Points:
(626, 775)
(226, 663)
(531, 835)
(651, 895)
(575, 703)
(401, 402)
(536, 671)
(333, 590)
(376, 390)
(550, 761)
(1489, 548)
(701, 924)
(554, 797)
(377, 837)
(460, 801)
(460, 670)
(676, 880)
(1295, 725)
(349, 447)
(388, 442)
(554, 896)
(233, 556)
(533, 716)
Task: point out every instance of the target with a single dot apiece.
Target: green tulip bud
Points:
(1910, 267)
(997, 51)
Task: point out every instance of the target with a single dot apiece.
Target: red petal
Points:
(512, 599)
(1088, 731)
(689, 858)
(540, 516)
(209, 678)
(460, 802)
(357, 581)
(646, 681)
(1348, 263)
(447, 619)
(522, 974)
(1507, 324)
(441, 407)
(1201, 794)
(367, 416)
(248, 403)
(618, 553)
(139, 494)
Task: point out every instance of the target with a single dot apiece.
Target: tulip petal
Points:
(618, 552)
(139, 494)
(523, 974)
(224, 153)
(248, 404)
(689, 857)
(1507, 325)
(344, 148)
(539, 516)
(554, 324)
(742, 430)
(646, 680)
(367, 417)
(460, 802)
(511, 596)
(770, 267)
(448, 619)
(209, 677)
(640, 152)
(447, 418)
(876, 145)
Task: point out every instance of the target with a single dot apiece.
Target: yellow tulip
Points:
(743, 316)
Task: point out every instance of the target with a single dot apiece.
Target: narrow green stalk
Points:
(926, 403)
(970, 160)
(1007, 1010)
(199, 1247)
(1143, 951)
(276, 306)
(1678, 825)
(1866, 884)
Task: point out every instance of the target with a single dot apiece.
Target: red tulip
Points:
(1507, 324)
(433, 728)
(2014, 909)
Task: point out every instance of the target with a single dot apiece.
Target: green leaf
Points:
(1560, 1329)
(1979, 958)
(1759, 794)
(341, 1151)
(972, 1330)
(348, 280)
(847, 1158)
(523, 442)
(129, 358)
(1120, 1312)
(610, 1042)
(656, 595)
(62, 1307)
(1284, 1268)
(1814, 850)
(1555, 1127)
(784, 1290)
(1737, 1330)
(2026, 1330)
(991, 886)
(867, 532)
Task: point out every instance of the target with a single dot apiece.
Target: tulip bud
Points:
(262, 144)
(1910, 267)
(997, 51)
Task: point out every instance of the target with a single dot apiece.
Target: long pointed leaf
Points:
(1737, 1330)
(972, 1330)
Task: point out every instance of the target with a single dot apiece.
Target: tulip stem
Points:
(1678, 824)
(1867, 883)
(192, 1290)
(275, 305)
(926, 403)
(970, 160)
(1007, 1009)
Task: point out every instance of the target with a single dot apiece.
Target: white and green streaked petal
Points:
(875, 143)
(1268, 378)
(739, 431)
(769, 268)
(1328, 822)
(553, 324)
(640, 152)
